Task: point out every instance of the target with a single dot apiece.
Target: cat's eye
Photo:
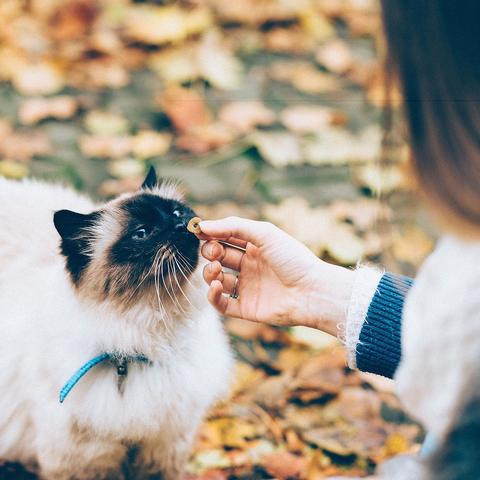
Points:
(177, 213)
(141, 233)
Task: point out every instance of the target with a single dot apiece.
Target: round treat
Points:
(193, 225)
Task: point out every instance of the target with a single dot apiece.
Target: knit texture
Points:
(379, 346)
(364, 288)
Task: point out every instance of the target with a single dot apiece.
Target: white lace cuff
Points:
(364, 288)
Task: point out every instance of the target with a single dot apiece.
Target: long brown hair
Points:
(434, 49)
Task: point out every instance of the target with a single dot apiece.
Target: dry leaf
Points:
(23, 145)
(304, 76)
(35, 109)
(113, 188)
(107, 146)
(203, 139)
(217, 64)
(412, 245)
(105, 123)
(165, 24)
(336, 56)
(42, 78)
(313, 338)
(125, 168)
(243, 116)
(338, 146)
(285, 465)
(278, 148)
(309, 118)
(147, 144)
(12, 169)
(380, 179)
(185, 107)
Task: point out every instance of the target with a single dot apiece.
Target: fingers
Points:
(225, 305)
(237, 228)
(229, 257)
(214, 271)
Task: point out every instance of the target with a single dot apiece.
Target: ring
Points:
(234, 293)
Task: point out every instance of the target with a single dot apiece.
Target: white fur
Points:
(47, 332)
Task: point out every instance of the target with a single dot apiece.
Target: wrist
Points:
(326, 299)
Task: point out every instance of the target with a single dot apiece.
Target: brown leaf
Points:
(309, 118)
(245, 115)
(35, 109)
(304, 76)
(285, 465)
(185, 107)
(73, 20)
(107, 146)
(24, 145)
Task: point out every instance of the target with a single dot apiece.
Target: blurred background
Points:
(268, 109)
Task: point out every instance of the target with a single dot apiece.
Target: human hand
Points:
(279, 280)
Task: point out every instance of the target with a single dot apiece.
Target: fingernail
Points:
(210, 250)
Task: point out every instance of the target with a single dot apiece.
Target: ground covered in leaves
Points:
(262, 108)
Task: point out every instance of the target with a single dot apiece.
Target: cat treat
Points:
(193, 225)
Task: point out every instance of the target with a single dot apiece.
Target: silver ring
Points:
(234, 293)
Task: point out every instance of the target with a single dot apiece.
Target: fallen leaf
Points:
(101, 122)
(243, 116)
(380, 179)
(36, 109)
(106, 146)
(278, 148)
(312, 338)
(147, 144)
(285, 465)
(335, 56)
(309, 118)
(185, 107)
(12, 169)
(304, 76)
(42, 78)
(338, 146)
(205, 138)
(23, 145)
(158, 25)
(217, 64)
(113, 187)
(125, 168)
(412, 245)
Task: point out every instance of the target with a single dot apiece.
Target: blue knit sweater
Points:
(379, 346)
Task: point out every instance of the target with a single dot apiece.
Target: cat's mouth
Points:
(170, 273)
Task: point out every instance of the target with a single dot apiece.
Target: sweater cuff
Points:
(364, 288)
(379, 346)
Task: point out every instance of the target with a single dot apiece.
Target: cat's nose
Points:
(180, 223)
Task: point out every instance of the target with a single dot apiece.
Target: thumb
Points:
(248, 230)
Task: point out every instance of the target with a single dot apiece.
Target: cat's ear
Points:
(151, 179)
(70, 225)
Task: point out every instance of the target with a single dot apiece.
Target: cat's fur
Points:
(66, 300)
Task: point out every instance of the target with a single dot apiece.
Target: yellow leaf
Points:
(105, 123)
(11, 169)
(125, 168)
(217, 64)
(147, 144)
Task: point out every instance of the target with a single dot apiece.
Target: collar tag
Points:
(120, 361)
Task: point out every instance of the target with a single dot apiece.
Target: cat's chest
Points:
(134, 399)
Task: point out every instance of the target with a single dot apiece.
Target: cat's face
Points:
(135, 246)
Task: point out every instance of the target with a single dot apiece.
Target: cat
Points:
(118, 284)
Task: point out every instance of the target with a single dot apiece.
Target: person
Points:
(424, 333)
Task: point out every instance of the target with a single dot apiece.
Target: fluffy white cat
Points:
(121, 279)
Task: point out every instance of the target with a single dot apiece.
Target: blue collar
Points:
(121, 362)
